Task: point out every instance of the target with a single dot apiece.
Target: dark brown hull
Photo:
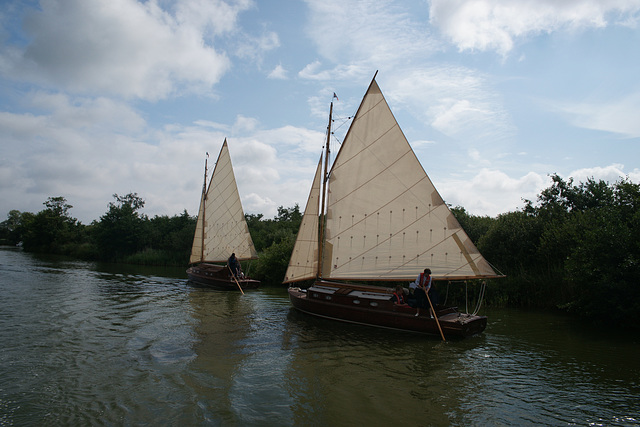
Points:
(372, 306)
(218, 277)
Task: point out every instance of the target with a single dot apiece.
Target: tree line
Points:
(122, 234)
(575, 248)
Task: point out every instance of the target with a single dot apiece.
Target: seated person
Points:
(234, 266)
(398, 297)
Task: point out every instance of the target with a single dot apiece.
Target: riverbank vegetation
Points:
(576, 248)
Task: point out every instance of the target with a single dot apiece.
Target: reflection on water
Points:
(89, 344)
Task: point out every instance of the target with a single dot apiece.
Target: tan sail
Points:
(385, 219)
(221, 228)
(304, 258)
(196, 249)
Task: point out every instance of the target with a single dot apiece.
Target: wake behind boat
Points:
(384, 221)
(221, 230)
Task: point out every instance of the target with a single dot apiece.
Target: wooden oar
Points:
(435, 316)
(234, 278)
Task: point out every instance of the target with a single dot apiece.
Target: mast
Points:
(204, 206)
(324, 192)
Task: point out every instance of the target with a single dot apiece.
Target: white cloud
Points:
(255, 48)
(244, 124)
(495, 24)
(492, 192)
(278, 73)
(619, 116)
(254, 203)
(611, 173)
(377, 32)
(88, 112)
(456, 101)
(88, 149)
(311, 71)
(123, 47)
(66, 129)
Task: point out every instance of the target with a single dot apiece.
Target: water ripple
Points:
(85, 344)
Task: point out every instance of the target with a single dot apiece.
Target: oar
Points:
(234, 278)
(435, 316)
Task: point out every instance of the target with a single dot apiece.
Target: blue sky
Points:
(99, 97)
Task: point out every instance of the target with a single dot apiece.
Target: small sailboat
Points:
(221, 230)
(384, 222)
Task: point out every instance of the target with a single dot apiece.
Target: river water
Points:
(86, 344)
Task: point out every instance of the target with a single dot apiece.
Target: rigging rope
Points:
(483, 287)
(466, 297)
(446, 297)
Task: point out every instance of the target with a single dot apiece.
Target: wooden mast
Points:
(204, 206)
(324, 192)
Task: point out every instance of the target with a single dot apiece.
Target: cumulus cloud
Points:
(84, 120)
(123, 47)
(611, 173)
(495, 24)
(86, 149)
(490, 191)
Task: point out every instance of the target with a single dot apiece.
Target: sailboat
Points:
(384, 222)
(221, 230)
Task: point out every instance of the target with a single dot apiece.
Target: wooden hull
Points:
(369, 305)
(218, 277)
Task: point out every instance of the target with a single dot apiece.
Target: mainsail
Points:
(385, 220)
(221, 227)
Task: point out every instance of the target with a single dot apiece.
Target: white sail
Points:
(221, 228)
(385, 219)
(304, 258)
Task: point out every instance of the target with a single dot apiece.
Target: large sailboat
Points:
(384, 222)
(221, 231)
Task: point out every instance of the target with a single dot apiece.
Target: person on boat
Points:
(398, 297)
(234, 265)
(421, 287)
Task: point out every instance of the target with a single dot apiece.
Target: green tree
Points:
(266, 232)
(170, 238)
(12, 229)
(474, 226)
(273, 262)
(121, 229)
(274, 240)
(603, 266)
(51, 230)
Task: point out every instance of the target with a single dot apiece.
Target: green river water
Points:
(85, 344)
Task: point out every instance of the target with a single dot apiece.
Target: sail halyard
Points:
(221, 226)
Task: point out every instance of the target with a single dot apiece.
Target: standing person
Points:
(234, 265)
(422, 286)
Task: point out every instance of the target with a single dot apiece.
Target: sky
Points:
(114, 97)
